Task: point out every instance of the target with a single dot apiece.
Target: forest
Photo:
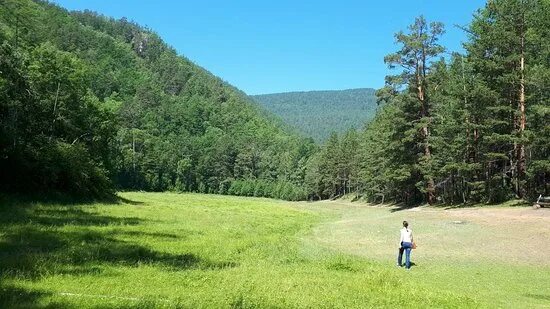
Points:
(317, 114)
(471, 127)
(90, 105)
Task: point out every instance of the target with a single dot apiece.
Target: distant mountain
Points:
(318, 113)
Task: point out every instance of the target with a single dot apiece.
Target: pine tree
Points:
(502, 56)
(418, 47)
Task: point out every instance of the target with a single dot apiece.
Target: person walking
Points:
(405, 244)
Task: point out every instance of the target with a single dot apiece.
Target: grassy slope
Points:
(170, 250)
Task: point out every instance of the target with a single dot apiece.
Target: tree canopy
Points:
(317, 114)
(470, 128)
(90, 105)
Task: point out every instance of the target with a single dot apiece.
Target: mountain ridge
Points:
(313, 91)
(318, 113)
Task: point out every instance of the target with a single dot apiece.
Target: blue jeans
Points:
(405, 246)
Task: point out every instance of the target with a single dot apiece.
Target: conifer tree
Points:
(418, 48)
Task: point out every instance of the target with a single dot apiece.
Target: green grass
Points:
(205, 251)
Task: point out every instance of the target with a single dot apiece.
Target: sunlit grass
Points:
(191, 250)
(496, 255)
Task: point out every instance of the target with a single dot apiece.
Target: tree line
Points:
(454, 128)
(90, 105)
(319, 113)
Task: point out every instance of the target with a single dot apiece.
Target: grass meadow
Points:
(206, 251)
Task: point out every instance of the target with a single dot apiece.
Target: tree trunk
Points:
(430, 186)
(520, 155)
(134, 156)
(52, 127)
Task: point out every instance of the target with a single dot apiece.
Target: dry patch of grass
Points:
(498, 255)
(491, 234)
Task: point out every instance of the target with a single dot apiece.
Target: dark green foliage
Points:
(319, 113)
(89, 100)
(419, 47)
(280, 189)
(55, 134)
(508, 53)
(89, 104)
(334, 170)
(479, 132)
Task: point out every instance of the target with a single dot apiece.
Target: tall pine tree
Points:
(418, 48)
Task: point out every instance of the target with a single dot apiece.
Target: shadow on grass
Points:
(538, 296)
(121, 199)
(15, 297)
(457, 206)
(45, 240)
(404, 265)
(510, 203)
(61, 200)
(401, 207)
(150, 234)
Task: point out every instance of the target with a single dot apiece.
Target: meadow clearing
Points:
(206, 251)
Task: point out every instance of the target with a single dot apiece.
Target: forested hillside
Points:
(474, 128)
(89, 104)
(319, 113)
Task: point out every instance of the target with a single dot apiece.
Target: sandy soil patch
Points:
(519, 235)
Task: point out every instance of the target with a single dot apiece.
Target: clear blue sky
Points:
(284, 45)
